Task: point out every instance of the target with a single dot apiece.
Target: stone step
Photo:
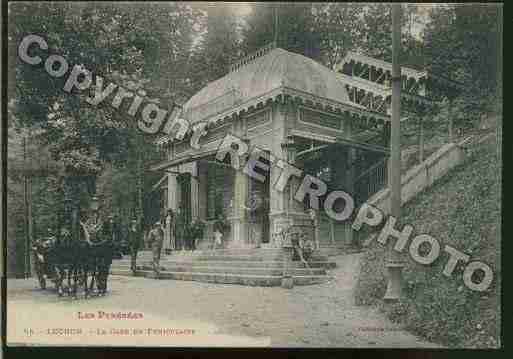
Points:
(242, 279)
(242, 253)
(224, 251)
(250, 257)
(330, 251)
(277, 271)
(226, 258)
(232, 263)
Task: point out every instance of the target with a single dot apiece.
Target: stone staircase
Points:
(254, 267)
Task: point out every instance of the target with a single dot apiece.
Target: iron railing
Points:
(371, 181)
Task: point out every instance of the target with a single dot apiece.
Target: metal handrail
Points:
(371, 181)
(371, 168)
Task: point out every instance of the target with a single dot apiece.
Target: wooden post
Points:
(451, 137)
(26, 257)
(31, 265)
(239, 217)
(499, 84)
(349, 182)
(195, 192)
(394, 262)
(421, 138)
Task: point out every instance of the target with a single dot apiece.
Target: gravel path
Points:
(322, 315)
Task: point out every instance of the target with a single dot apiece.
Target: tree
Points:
(375, 40)
(295, 28)
(340, 30)
(218, 47)
(123, 45)
(461, 43)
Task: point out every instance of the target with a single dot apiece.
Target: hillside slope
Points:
(462, 210)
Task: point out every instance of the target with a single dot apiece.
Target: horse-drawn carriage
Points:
(77, 262)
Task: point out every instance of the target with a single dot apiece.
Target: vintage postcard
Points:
(196, 174)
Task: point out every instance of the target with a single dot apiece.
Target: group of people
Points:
(161, 232)
(160, 235)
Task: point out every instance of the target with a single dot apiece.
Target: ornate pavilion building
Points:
(296, 110)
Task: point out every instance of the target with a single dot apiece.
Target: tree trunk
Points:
(140, 181)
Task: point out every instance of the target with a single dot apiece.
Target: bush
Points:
(462, 210)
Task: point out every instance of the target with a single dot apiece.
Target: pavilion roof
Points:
(268, 74)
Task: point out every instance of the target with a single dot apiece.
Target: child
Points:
(218, 242)
(218, 232)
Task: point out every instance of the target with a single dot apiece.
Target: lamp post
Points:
(394, 262)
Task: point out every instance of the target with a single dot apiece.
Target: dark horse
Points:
(68, 256)
(97, 258)
(80, 263)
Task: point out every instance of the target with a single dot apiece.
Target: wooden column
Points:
(293, 205)
(172, 192)
(203, 188)
(240, 194)
(194, 192)
(350, 188)
(239, 217)
(277, 199)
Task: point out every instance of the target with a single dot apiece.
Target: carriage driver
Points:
(93, 231)
(106, 254)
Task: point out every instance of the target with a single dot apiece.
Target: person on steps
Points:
(155, 240)
(134, 236)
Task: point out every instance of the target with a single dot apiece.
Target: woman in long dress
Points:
(166, 219)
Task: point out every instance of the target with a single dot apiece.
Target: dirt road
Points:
(322, 315)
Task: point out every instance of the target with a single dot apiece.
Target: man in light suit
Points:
(134, 236)
(155, 240)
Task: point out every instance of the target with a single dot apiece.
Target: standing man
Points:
(155, 239)
(134, 237)
(107, 249)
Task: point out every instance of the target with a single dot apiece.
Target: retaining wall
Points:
(422, 176)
